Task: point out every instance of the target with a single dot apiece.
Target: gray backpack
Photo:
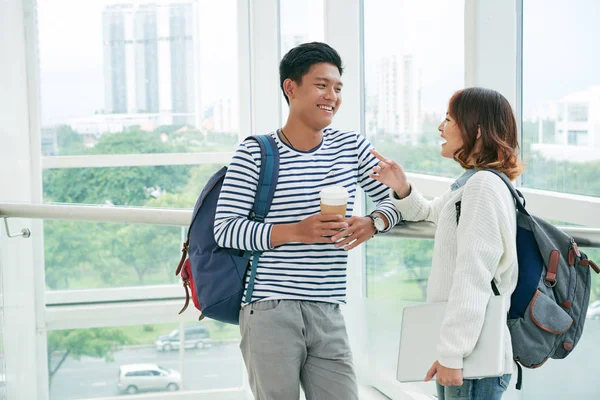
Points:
(548, 307)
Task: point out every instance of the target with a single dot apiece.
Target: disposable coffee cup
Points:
(334, 200)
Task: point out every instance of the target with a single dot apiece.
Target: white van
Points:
(134, 378)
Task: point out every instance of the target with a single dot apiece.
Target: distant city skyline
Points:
(398, 98)
(151, 60)
(71, 52)
(72, 56)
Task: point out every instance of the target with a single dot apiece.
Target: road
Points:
(218, 367)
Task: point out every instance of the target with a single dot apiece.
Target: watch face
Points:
(379, 224)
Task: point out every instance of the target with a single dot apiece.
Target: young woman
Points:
(479, 132)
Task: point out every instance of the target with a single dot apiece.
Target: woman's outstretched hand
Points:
(391, 174)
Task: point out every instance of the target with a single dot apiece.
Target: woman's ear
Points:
(478, 132)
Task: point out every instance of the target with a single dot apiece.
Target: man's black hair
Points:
(298, 61)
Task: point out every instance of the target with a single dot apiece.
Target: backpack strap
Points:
(265, 191)
(267, 179)
(516, 194)
(519, 384)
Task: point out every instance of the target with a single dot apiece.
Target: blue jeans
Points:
(475, 389)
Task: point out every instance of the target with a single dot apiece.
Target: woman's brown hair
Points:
(487, 111)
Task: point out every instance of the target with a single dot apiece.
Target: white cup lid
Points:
(334, 195)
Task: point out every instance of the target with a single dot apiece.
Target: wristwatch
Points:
(378, 223)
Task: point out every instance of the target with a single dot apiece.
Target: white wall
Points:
(20, 181)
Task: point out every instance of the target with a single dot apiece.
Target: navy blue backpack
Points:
(216, 275)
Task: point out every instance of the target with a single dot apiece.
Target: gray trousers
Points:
(287, 343)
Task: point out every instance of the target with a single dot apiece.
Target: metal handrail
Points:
(585, 237)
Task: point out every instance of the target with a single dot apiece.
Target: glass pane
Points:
(85, 255)
(412, 68)
(561, 99)
(398, 269)
(300, 22)
(159, 186)
(154, 68)
(103, 362)
(397, 273)
(414, 62)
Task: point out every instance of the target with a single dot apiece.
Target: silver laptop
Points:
(421, 325)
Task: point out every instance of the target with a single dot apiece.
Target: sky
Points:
(560, 42)
(560, 49)
(71, 54)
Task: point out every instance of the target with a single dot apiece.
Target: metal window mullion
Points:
(264, 62)
(245, 82)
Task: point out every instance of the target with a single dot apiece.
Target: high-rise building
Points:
(398, 111)
(49, 140)
(151, 60)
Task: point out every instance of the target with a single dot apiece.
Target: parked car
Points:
(593, 310)
(134, 378)
(195, 336)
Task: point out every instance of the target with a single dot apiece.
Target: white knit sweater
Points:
(466, 258)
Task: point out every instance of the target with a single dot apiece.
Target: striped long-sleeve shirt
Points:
(297, 271)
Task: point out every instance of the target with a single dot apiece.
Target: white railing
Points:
(135, 160)
(586, 237)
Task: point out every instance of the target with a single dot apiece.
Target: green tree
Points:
(417, 256)
(94, 342)
(63, 255)
(118, 186)
(115, 186)
(69, 142)
(199, 176)
(135, 141)
(147, 249)
(77, 253)
(76, 250)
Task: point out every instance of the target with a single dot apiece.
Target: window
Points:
(578, 138)
(82, 255)
(123, 79)
(407, 93)
(153, 69)
(578, 112)
(562, 93)
(90, 363)
(403, 118)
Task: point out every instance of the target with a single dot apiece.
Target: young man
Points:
(293, 332)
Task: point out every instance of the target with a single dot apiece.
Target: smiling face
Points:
(451, 135)
(317, 98)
